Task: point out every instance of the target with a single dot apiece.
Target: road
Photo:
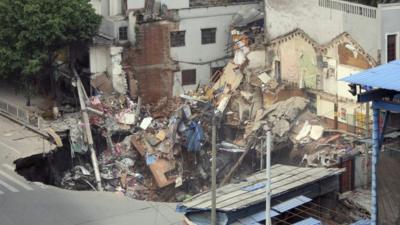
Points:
(26, 203)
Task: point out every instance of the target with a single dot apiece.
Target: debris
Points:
(316, 132)
(264, 77)
(146, 123)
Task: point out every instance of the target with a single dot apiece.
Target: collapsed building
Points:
(151, 105)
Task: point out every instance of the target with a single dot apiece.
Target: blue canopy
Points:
(385, 76)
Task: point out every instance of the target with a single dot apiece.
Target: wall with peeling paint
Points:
(298, 62)
(321, 23)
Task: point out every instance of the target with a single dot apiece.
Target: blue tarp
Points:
(150, 159)
(194, 137)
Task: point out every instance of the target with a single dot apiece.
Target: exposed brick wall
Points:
(150, 61)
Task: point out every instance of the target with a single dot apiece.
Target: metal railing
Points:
(349, 7)
(21, 115)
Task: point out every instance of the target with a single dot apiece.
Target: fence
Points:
(348, 7)
(21, 115)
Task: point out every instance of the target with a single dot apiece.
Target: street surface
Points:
(26, 203)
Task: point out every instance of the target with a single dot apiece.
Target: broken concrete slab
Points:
(102, 83)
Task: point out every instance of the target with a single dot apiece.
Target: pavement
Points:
(26, 203)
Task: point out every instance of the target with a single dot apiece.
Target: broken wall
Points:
(298, 60)
(150, 60)
(317, 67)
(194, 55)
(314, 16)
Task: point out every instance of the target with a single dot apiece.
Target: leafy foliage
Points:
(31, 31)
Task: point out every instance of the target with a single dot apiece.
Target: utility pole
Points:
(268, 143)
(214, 172)
(85, 116)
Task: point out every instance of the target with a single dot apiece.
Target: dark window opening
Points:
(123, 33)
(188, 77)
(208, 35)
(278, 71)
(177, 38)
(391, 47)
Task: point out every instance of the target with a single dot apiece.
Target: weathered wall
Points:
(389, 15)
(151, 61)
(298, 62)
(195, 55)
(284, 16)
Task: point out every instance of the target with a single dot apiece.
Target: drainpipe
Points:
(375, 150)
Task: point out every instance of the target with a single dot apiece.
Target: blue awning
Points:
(309, 221)
(385, 76)
(291, 204)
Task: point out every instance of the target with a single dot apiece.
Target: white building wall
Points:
(99, 59)
(389, 16)
(194, 55)
(324, 23)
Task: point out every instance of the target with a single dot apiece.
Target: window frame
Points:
(173, 42)
(190, 81)
(125, 31)
(397, 47)
(212, 40)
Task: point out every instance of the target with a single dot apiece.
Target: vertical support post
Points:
(375, 150)
(268, 143)
(214, 174)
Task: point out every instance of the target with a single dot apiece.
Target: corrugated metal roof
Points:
(284, 178)
(385, 76)
(291, 204)
(309, 221)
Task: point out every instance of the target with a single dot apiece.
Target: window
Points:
(177, 38)
(391, 48)
(188, 77)
(123, 33)
(208, 35)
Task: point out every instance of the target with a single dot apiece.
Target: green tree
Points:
(32, 31)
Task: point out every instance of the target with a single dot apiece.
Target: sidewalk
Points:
(9, 95)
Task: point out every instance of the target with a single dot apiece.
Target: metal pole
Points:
(214, 174)
(375, 150)
(261, 154)
(89, 134)
(268, 142)
(367, 146)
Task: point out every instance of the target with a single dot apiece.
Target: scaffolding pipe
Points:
(268, 143)
(214, 173)
(375, 150)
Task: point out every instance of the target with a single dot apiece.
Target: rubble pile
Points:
(162, 151)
